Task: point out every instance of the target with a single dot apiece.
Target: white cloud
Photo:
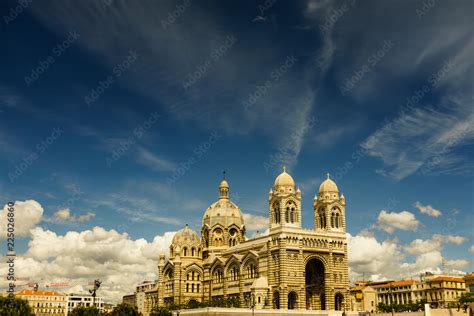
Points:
(458, 264)
(372, 258)
(255, 222)
(65, 215)
(390, 221)
(419, 246)
(79, 257)
(428, 209)
(387, 259)
(471, 249)
(27, 215)
(458, 240)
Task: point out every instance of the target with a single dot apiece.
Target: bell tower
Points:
(329, 207)
(284, 203)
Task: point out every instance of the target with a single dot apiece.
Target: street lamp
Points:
(97, 284)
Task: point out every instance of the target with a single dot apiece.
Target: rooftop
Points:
(39, 293)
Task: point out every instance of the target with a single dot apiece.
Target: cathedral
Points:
(288, 268)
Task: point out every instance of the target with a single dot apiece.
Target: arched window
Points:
(193, 252)
(197, 287)
(332, 220)
(187, 287)
(192, 276)
(192, 288)
(276, 212)
(337, 220)
(287, 215)
(185, 251)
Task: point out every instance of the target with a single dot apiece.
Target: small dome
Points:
(186, 236)
(284, 180)
(260, 283)
(224, 184)
(328, 186)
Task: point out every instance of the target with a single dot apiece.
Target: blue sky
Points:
(123, 117)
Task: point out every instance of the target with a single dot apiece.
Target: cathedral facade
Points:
(288, 268)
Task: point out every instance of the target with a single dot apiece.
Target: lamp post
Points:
(97, 284)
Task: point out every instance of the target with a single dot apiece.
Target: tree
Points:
(125, 310)
(160, 311)
(14, 307)
(85, 311)
(466, 298)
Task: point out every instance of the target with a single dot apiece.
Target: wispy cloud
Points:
(428, 209)
(153, 161)
(65, 215)
(423, 139)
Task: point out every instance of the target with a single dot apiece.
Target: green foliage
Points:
(231, 301)
(14, 307)
(466, 298)
(85, 311)
(160, 311)
(125, 310)
(398, 308)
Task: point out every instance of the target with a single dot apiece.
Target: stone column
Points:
(177, 282)
(241, 289)
(328, 290)
(270, 272)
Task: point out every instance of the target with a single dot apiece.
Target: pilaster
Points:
(283, 269)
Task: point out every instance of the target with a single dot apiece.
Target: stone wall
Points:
(215, 311)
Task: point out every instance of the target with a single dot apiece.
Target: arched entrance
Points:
(276, 300)
(314, 279)
(338, 301)
(292, 300)
(193, 304)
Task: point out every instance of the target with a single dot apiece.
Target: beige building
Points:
(129, 299)
(469, 280)
(140, 294)
(400, 292)
(290, 268)
(444, 290)
(45, 302)
(363, 297)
